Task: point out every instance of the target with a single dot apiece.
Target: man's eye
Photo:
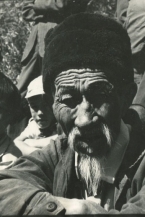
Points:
(70, 101)
(65, 97)
(98, 98)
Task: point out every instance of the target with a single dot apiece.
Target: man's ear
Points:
(127, 97)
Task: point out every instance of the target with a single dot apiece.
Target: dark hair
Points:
(9, 94)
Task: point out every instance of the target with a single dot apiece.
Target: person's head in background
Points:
(9, 102)
(38, 101)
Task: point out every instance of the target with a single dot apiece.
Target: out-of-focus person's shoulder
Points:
(56, 146)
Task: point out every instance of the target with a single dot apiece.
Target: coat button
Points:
(51, 206)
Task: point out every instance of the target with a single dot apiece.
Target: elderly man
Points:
(92, 168)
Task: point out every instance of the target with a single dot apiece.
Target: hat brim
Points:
(34, 93)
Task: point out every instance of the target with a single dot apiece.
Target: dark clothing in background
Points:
(34, 181)
(131, 14)
(45, 14)
(121, 10)
(135, 25)
(31, 68)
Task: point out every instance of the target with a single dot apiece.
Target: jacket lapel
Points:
(64, 173)
(132, 159)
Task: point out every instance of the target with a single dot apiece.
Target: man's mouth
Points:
(91, 138)
(94, 143)
(91, 133)
(91, 145)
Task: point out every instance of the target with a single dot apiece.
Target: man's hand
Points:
(75, 206)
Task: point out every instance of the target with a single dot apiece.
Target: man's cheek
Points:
(63, 115)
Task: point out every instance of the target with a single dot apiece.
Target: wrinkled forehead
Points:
(85, 78)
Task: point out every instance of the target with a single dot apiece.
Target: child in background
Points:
(9, 105)
(42, 126)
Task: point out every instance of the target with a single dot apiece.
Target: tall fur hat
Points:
(87, 41)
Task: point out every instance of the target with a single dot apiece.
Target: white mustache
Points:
(104, 129)
(90, 168)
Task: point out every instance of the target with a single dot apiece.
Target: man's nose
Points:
(86, 116)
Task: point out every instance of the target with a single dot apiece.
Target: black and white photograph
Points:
(72, 107)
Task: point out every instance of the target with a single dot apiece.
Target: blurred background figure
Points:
(131, 14)
(45, 14)
(135, 25)
(9, 106)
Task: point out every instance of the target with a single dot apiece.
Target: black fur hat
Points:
(87, 41)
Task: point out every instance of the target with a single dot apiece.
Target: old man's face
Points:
(88, 107)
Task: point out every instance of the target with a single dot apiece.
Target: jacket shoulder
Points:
(52, 153)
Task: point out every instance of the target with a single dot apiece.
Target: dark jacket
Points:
(46, 14)
(30, 186)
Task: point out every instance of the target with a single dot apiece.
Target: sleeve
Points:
(30, 132)
(121, 11)
(28, 11)
(50, 10)
(136, 31)
(25, 134)
(138, 106)
(140, 96)
(26, 188)
(136, 205)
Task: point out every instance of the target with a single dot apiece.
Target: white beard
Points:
(90, 171)
(90, 167)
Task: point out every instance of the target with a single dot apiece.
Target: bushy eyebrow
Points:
(65, 89)
(101, 87)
